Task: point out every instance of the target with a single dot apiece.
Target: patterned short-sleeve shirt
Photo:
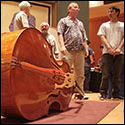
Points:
(74, 34)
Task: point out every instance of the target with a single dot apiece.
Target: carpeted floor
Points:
(79, 112)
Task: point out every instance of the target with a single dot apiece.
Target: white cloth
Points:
(114, 33)
(21, 21)
(52, 41)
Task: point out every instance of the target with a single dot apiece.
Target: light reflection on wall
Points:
(95, 3)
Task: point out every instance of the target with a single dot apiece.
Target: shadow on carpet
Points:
(79, 112)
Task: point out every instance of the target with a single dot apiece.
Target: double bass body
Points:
(32, 82)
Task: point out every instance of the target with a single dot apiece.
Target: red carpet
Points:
(79, 112)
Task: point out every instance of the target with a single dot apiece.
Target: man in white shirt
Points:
(21, 19)
(112, 37)
(31, 21)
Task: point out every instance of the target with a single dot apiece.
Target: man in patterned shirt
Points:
(73, 45)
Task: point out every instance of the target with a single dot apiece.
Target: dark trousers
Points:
(110, 87)
(109, 61)
(122, 83)
(87, 78)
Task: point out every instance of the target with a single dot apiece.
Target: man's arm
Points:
(119, 49)
(86, 49)
(91, 59)
(107, 45)
(61, 44)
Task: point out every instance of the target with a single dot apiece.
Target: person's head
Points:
(44, 27)
(73, 9)
(88, 42)
(113, 12)
(101, 47)
(25, 6)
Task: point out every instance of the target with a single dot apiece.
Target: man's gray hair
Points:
(44, 23)
(24, 4)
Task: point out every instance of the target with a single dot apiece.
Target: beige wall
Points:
(82, 16)
(8, 8)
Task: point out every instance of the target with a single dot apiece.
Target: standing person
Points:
(31, 21)
(112, 37)
(72, 41)
(44, 27)
(99, 63)
(88, 61)
(21, 19)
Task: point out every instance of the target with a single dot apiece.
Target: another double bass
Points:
(32, 82)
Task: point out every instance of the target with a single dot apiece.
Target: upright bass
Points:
(32, 82)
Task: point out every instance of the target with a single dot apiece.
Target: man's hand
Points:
(117, 52)
(86, 49)
(111, 51)
(63, 50)
(107, 45)
(61, 44)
